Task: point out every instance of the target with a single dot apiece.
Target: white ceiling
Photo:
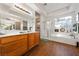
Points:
(54, 7)
(9, 9)
(50, 7)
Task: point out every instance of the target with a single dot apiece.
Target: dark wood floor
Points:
(50, 48)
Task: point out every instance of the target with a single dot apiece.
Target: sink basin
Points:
(22, 32)
(2, 34)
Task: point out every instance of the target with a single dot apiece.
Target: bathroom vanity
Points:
(18, 44)
(17, 29)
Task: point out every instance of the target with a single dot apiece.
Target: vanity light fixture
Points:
(22, 9)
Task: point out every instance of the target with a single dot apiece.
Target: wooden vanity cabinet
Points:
(15, 48)
(18, 44)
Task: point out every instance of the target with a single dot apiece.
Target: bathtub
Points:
(64, 38)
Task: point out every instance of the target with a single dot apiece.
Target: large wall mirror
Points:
(8, 24)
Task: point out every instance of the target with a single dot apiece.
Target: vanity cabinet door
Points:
(31, 40)
(0, 50)
(37, 38)
(0, 47)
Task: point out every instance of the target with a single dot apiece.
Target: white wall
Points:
(42, 27)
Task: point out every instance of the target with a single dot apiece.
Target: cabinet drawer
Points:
(9, 39)
(17, 52)
(22, 36)
(9, 47)
(12, 38)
